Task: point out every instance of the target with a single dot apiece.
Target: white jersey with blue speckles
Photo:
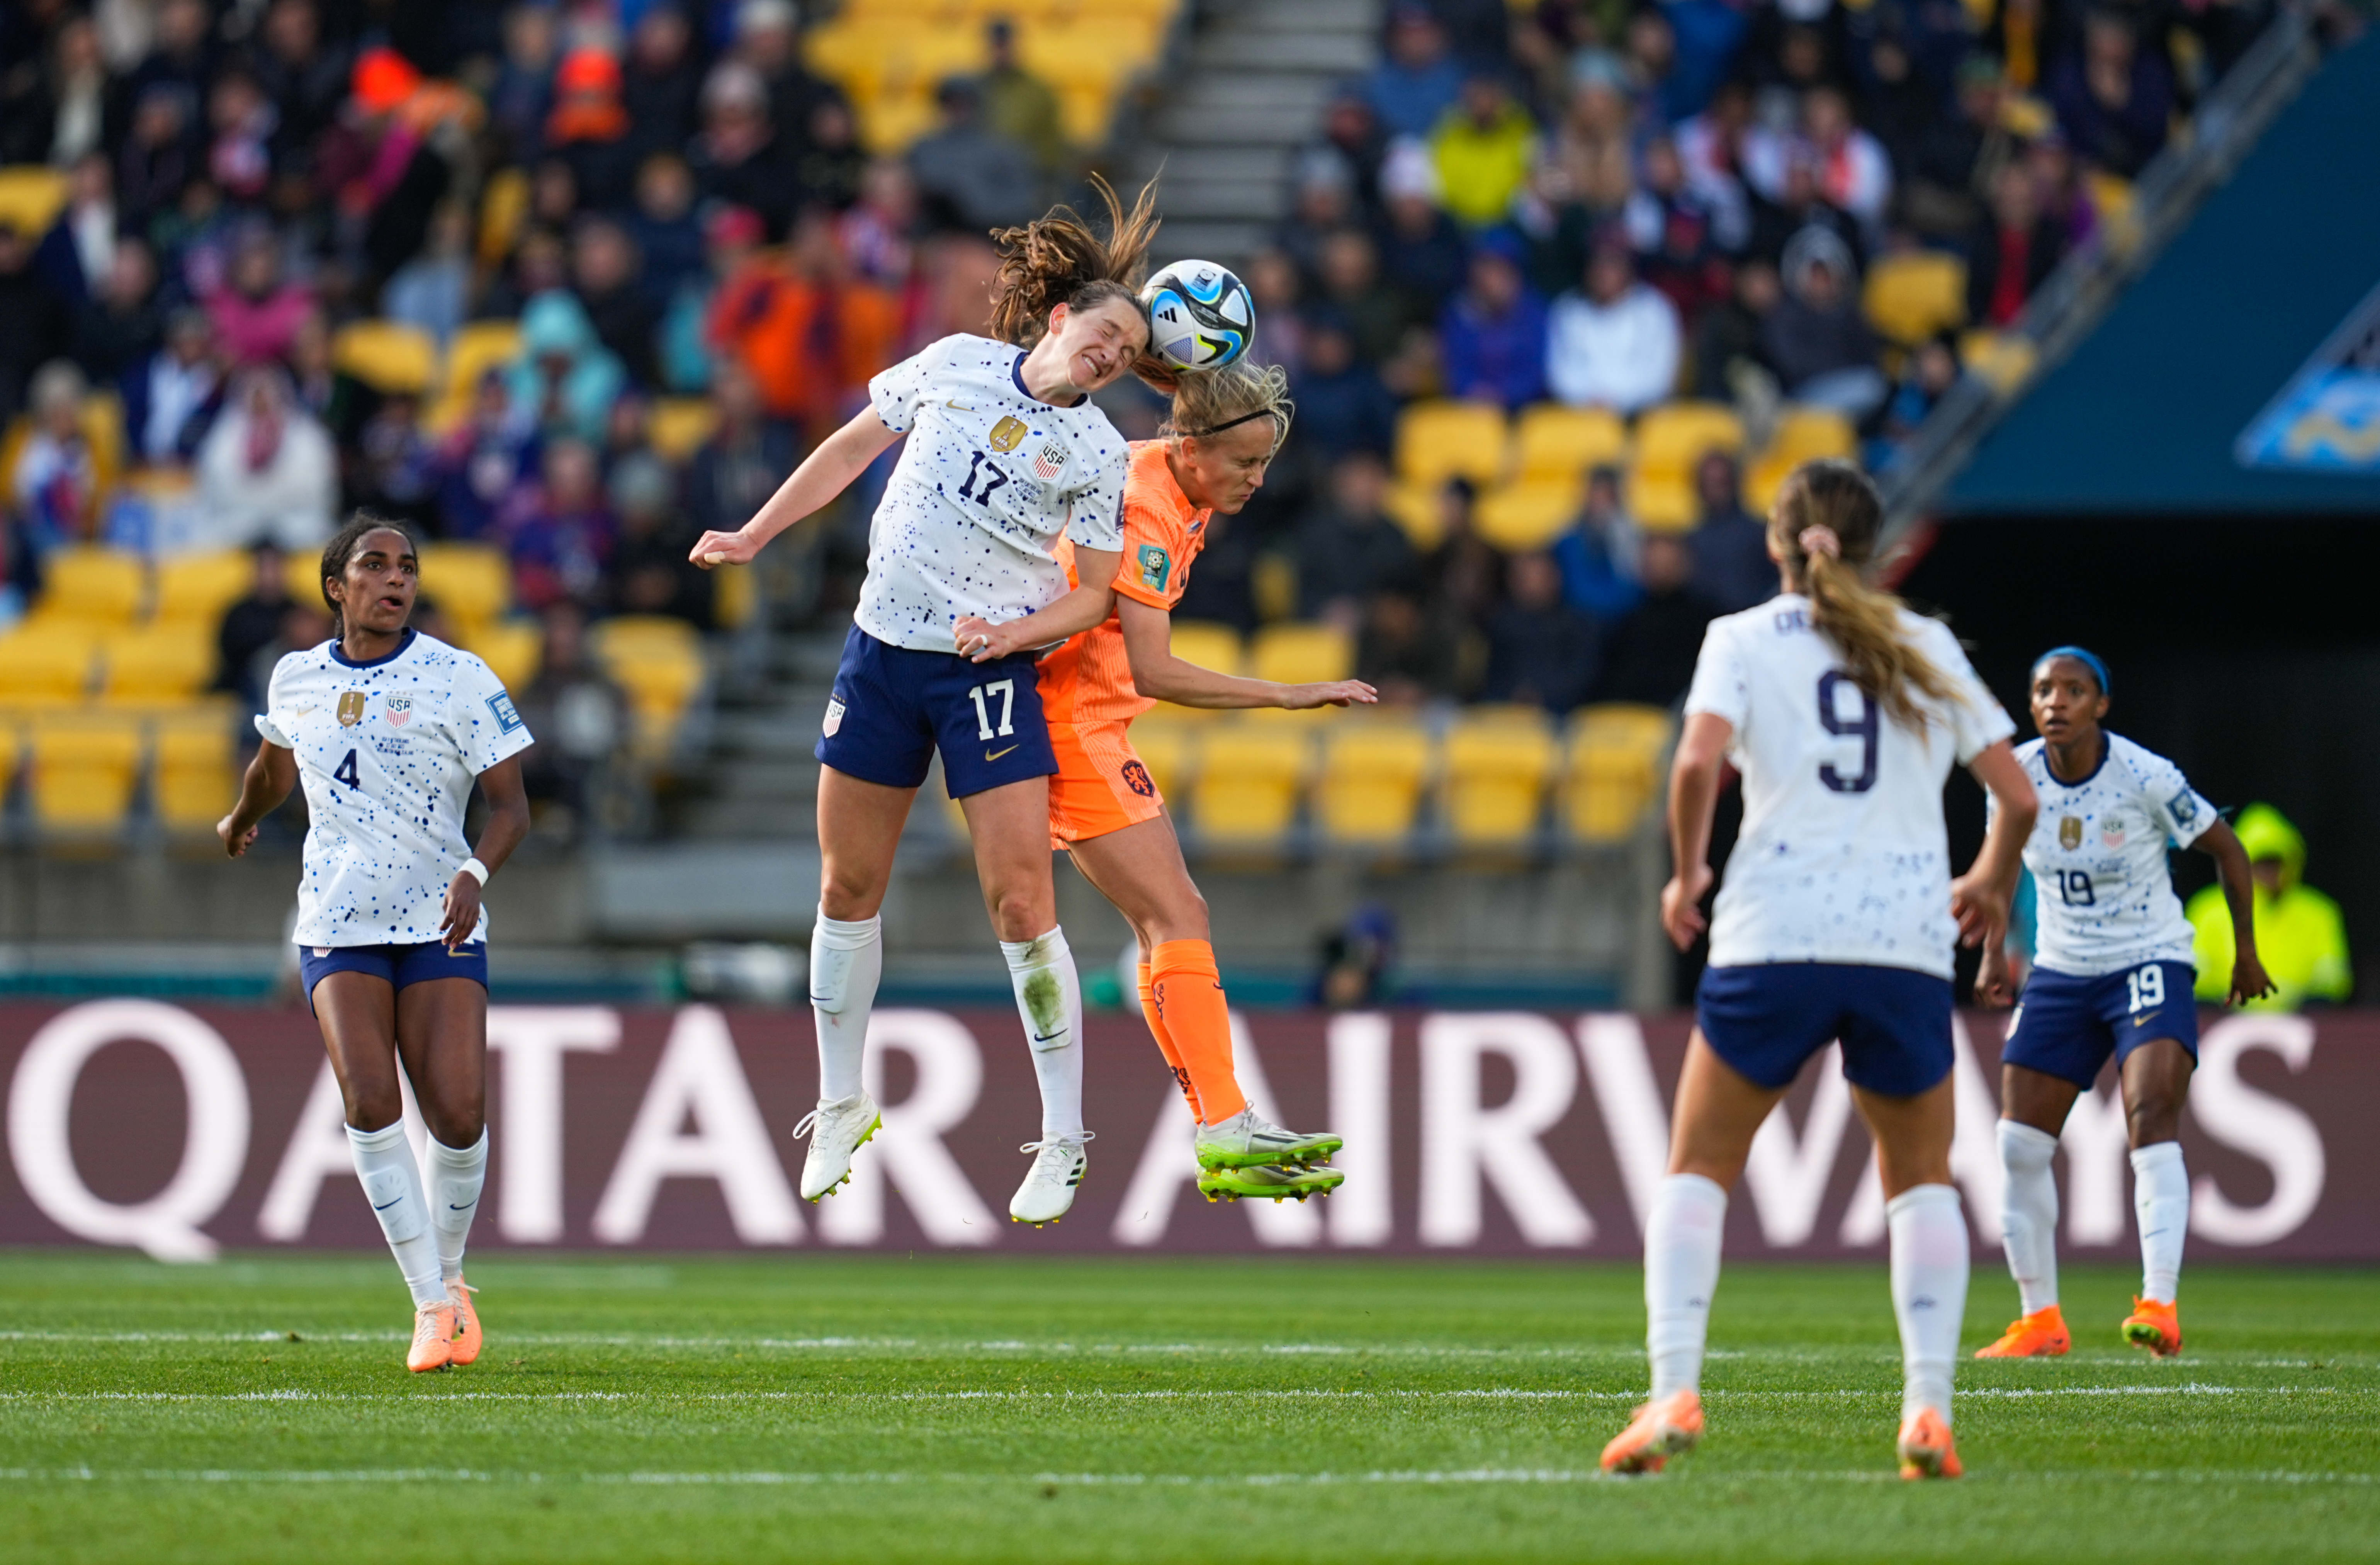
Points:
(988, 481)
(1843, 856)
(2103, 889)
(386, 751)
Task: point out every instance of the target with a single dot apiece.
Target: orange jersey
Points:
(1089, 680)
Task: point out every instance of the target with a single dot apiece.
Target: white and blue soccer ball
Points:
(1200, 316)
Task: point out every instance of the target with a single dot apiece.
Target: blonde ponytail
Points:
(1058, 258)
(1208, 402)
(1824, 529)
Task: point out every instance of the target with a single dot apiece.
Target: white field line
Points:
(1118, 1480)
(430, 1396)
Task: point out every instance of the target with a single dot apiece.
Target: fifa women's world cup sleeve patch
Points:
(487, 727)
(1155, 565)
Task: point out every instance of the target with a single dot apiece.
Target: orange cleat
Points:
(1660, 1431)
(466, 1346)
(1926, 1449)
(433, 1337)
(2041, 1334)
(2155, 1326)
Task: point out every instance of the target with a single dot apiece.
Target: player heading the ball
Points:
(387, 729)
(1005, 454)
(1844, 711)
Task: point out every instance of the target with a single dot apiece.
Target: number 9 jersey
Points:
(387, 751)
(1842, 857)
(2103, 889)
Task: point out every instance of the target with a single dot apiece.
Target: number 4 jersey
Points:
(387, 751)
(1842, 856)
(989, 478)
(2103, 889)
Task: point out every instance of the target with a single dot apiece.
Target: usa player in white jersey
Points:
(388, 729)
(1005, 454)
(2112, 975)
(1844, 711)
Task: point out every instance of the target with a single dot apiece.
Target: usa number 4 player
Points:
(2111, 977)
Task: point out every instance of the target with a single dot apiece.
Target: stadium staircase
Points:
(1250, 90)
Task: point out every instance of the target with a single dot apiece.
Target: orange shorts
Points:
(1101, 786)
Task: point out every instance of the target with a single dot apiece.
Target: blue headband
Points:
(2089, 659)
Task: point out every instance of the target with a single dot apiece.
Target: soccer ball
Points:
(1200, 316)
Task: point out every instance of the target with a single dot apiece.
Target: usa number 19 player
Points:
(2112, 976)
(388, 729)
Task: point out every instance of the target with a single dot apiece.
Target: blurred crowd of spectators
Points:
(1613, 205)
(1580, 200)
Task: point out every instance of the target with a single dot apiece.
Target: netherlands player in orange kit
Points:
(1105, 810)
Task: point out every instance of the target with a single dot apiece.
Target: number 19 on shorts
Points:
(1005, 692)
(2144, 990)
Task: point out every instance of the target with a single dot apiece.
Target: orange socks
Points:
(1164, 1044)
(1193, 1022)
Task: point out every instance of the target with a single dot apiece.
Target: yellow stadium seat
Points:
(1551, 440)
(1497, 766)
(1165, 748)
(476, 349)
(197, 588)
(1437, 440)
(97, 586)
(1302, 654)
(1661, 502)
(1613, 769)
(45, 661)
(1802, 434)
(162, 661)
(1912, 296)
(84, 768)
(1415, 507)
(1370, 786)
(2003, 359)
(679, 425)
(31, 196)
(196, 779)
(388, 356)
(471, 582)
(658, 661)
(1246, 796)
(1674, 436)
(514, 647)
(1528, 515)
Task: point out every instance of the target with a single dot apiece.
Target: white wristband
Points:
(475, 869)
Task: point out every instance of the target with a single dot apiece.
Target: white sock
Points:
(452, 1178)
(847, 960)
(1050, 998)
(1929, 1291)
(393, 1186)
(2028, 1214)
(1681, 1246)
(2161, 1202)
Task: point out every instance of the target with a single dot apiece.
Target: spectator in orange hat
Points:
(588, 127)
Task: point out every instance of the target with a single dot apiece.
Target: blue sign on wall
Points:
(2327, 417)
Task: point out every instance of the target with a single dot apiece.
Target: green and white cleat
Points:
(836, 1131)
(1245, 1141)
(1269, 1182)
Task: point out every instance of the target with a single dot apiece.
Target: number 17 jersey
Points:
(1842, 857)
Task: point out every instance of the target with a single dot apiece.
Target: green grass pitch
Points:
(822, 1408)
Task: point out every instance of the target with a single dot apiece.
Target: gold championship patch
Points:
(2069, 832)
(351, 707)
(1007, 434)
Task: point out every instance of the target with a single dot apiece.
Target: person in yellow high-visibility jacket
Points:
(2298, 932)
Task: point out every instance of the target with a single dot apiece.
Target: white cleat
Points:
(1050, 1184)
(1248, 1140)
(836, 1131)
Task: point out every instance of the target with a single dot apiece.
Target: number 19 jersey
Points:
(988, 479)
(2103, 890)
(387, 751)
(1844, 856)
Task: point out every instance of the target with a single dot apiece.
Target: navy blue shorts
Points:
(1768, 1020)
(2067, 1026)
(892, 706)
(400, 966)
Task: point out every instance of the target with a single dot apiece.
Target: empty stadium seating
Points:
(197, 588)
(1528, 515)
(1249, 779)
(1369, 788)
(472, 583)
(1802, 434)
(1498, 762)
(96, 586)
(387, 355)
(161, 662)
(1671, 440)
(514, 647)
(1912, 296)
(1301, 654)
(85, 766)
(658, 663)
(1612, 769)
(1554, 442)
(1437, 440)
(194, 780)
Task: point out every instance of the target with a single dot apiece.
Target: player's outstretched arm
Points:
(980, 641)
(266, 783)
(1161, 677)
(1694, 796)
(1979, 898)
(508, 824)
(824, 473)
(2220, 842)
